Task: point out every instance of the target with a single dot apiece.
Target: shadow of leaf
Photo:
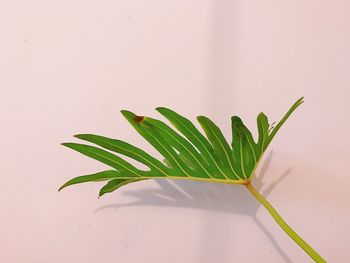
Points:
(222, 198)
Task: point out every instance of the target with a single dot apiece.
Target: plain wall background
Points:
(68, 67)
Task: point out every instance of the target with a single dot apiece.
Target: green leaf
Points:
(188, 153)
(188, 156)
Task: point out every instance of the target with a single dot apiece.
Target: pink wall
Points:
(68, 67)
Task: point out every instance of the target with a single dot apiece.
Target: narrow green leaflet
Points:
(263, 131)
(221, 147)
(283, 120)
(189, 154)
(96, 177)
(105, 157)
(244, 149)
(115, 184)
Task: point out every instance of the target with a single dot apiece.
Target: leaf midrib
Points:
(205, 148)
(227, 157)
(143, 158)
(194, 157)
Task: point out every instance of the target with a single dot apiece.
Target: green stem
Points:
(290, 232)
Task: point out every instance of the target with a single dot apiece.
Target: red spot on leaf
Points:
(139, 119)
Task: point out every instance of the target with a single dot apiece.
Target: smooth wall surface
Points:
(68, 67)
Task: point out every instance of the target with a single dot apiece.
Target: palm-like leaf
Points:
(188, 153)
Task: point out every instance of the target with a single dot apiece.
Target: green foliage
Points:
(188, 154)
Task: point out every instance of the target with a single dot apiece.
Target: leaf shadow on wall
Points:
(222, 198)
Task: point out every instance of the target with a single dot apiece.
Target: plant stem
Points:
(290, 232)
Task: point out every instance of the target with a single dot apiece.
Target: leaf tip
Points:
(301, 100)
(80, 136)
(262, 115)
(236, 120)
(163, 110)
(128, 115)
(200, 118)
(125, 112)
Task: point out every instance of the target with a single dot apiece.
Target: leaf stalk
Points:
(290, 232)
